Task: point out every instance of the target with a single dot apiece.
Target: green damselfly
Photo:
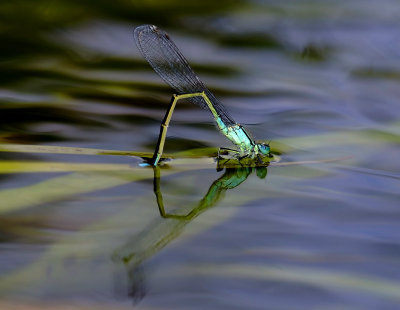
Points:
(166, 60)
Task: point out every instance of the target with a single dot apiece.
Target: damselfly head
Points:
(264, 148)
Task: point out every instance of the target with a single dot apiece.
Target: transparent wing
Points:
(166, 59)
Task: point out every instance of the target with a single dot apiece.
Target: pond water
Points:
(81, 223)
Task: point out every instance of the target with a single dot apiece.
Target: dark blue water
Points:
(320, 231)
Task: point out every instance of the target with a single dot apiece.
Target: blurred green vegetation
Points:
(24, 23)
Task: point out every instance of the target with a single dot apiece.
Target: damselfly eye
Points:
(264, 148)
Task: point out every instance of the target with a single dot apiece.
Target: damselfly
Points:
(166, 59)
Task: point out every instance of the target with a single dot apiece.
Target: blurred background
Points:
(320, 79)
(71, 72)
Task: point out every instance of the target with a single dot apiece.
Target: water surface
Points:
(317, 78)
